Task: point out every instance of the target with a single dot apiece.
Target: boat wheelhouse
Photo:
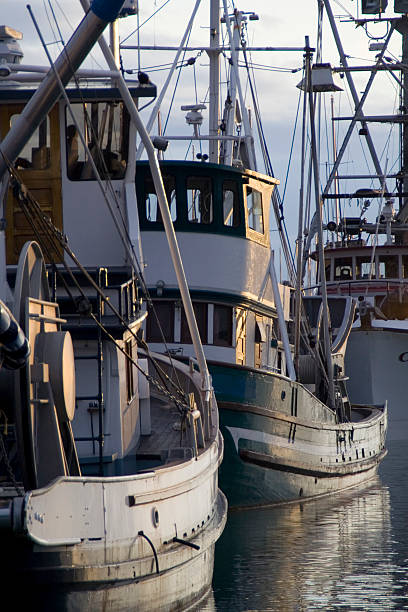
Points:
(375, 276)
(221, 215)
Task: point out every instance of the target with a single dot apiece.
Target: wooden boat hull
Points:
(282, 445)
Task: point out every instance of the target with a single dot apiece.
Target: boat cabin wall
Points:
(230, 334)
(388, 263)
(221, 219)
(380, 284)
(207, 198)
(123, 395)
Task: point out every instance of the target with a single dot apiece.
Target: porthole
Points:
(155, 517)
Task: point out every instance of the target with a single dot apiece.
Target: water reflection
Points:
(332, 553)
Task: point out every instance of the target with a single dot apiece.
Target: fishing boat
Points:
(289, 432)
(365, 252)
(109, 453)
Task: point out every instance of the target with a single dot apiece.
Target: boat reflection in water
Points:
(328, 553)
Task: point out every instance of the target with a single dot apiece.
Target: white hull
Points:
(83, 534)
(379, 374)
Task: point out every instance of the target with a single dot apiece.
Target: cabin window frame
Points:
(394, 256)
(111, 162)
(171, 194)
(210, 192)
(152, 325)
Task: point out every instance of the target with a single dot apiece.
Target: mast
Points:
(404, 152)
(319, 206)
(214, 91)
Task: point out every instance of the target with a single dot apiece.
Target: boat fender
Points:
(14, 344)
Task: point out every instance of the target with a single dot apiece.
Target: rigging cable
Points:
(129, 248)
(33, 213)
(276, 199)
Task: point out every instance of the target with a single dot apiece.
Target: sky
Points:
(280, 24)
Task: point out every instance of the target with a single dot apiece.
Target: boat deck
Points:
(167, 439)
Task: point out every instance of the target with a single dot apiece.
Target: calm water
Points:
(345, 552)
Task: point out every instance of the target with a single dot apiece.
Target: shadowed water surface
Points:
(344, 552)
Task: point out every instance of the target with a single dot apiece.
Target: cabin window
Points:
(160, 322)
(199, 199)
(405, 266)
(327, 270)
(343, 268)
(36, 152)
(364, 269)
(105, 129)
(152, 206)
(222, 325)
(130, 385)
(388, 266)
(230, 202)
(200, 311)
(255, 214)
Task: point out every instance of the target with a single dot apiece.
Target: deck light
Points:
(323, 79)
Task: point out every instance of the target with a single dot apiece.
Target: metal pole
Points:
(319, 202)
(298, 296)
(233, 95)
(353, 90)
(244, 112)
(336, 180)
(404, 78)
(214, 87)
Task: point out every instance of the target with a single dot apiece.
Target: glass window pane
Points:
(405, 266)
(105, 129)
(199, 199)
(200, 311)
(327, 269)
(160, 322)
(230, 204)
(222, 325)
(343, 269)
(388, 266)
(364, 268)
(152, 205)
(255, 215)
